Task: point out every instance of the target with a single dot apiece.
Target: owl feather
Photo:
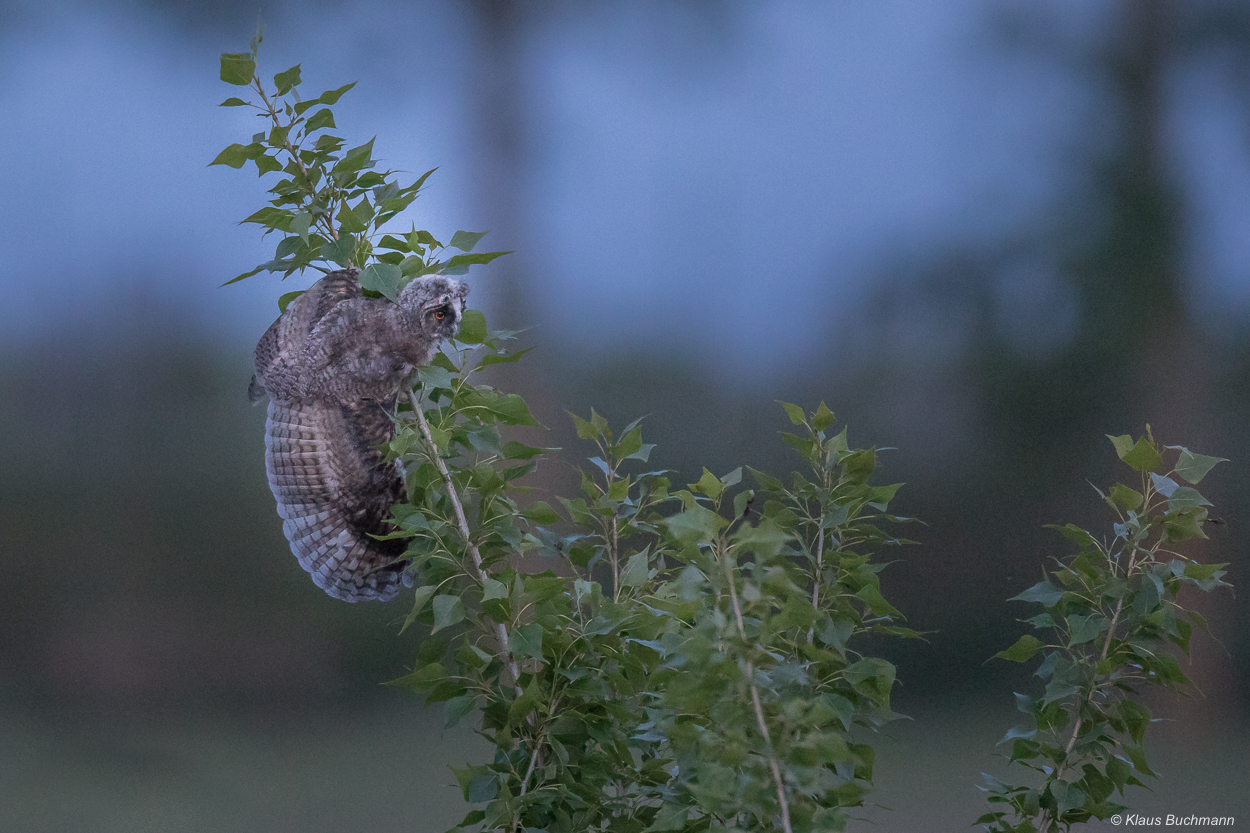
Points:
(332, 366)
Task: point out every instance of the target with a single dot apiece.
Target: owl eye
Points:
(440, 313)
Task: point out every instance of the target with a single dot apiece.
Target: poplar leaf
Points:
(237, 68)
(1025, 647)
(1193, 467)
(466, 240)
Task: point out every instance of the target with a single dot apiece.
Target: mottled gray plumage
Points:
(332, 365)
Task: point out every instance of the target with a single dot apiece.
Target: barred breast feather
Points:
(334, 491)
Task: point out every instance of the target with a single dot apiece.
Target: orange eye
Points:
(440, 314)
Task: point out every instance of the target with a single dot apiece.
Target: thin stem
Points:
(756, 704)
(820, 558)
(525, 782)
(291, 149)
(500, 629)
(614, 554)
(1093, 689)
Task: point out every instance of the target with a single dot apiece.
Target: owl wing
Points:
(322, 458)
(279, 354)
(334, 491)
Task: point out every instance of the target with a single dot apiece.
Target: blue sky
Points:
(680, 175)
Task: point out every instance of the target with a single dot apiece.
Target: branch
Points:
(1076, 728)
(501, 631)
(758, 706)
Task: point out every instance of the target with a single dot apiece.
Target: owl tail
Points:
(331, 496)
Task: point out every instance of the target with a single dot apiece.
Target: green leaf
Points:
(1138, 756)
(672, 816)
(1183, 525)
(629, 444)
(1118, 771)
(1067, 796)
(482, 788)
(794, 412)
(1136, 719)
(265, 164)
(466, 240)
(872, 677)
(601, 424)
(540, 512)
(332, 96)
(871, 596)
(423, 679)
(472, 327)
(585, 430)
(1193, 467)
(1075, 534)
(270, 217)
(349, 220)
(1018, 732)
(457, 707)
(448, 610)
(355, 159)
(340, 251)
(513, 409)
(233, 102)
(323, 118)
(767, 482)
(1083, 629)
(525, 704)
(383, 278)
(1125, 498)
(823, 418)
(284, 81)
(694, 524)
(709, 484)
(636, 570)
(285, 300)
(514, 450)
(464, 261)
(234, 156)
(300, 224)
(494, 589)
(1044, 593)
(527, 641)
(391, 242)
(1141, 456)
(1186, 497)
(238, 68)
(1198, 571)
(420, 598)
(767, 540)
(1025, 647)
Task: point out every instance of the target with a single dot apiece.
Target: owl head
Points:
(434, 304)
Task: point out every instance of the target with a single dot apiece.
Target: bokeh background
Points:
(985, 233)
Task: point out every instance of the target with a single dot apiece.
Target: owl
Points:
(332, 366)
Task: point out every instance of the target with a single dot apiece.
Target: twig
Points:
(820, 557)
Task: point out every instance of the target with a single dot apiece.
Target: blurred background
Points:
(985, 233)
